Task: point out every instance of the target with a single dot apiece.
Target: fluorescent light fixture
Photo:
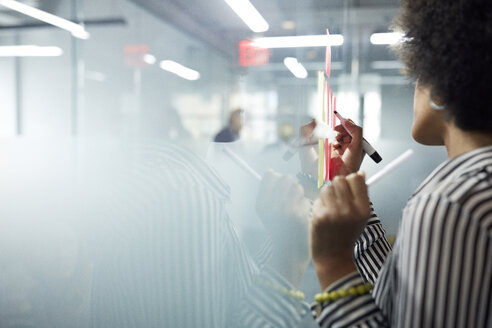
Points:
(295, 67)
(149, 59)
(30, 51)
(77, 30)
(288, 25)
(248, 13)
(299, 41)
(179, 70)
(386, 38)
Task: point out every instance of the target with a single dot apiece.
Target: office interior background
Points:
(115, 82)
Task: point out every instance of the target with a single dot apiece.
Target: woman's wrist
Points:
(332, 268)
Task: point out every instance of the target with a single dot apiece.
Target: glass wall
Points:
(82, 134)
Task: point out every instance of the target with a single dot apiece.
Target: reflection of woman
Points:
(169, 255)
(440, 271)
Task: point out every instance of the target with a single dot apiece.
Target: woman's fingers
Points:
(307, 129)
(357, 183)
(346, 193)
(339, 217)
(328, 196)
(342, 189)
(340, 129)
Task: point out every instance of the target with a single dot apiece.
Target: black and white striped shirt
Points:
(168, 254)
(264, 307)
(440, 271)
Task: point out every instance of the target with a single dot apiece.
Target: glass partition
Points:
(119, 209)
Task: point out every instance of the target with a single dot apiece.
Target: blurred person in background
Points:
(439, 273)
(232, 131)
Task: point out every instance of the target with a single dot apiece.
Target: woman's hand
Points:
(347, 154)
(339, 217)
(308, 154)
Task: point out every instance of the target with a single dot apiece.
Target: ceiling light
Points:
(288, 25)
(149, 59)
(179, 70)
(295, 67)
(77, 30)
(386, 38)
(299, 41)
(248, 13)
(30, 51)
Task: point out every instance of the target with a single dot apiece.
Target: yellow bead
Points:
(343, 293)
(318, 298)
(368, 286)
(352, 291)
(361, 290)
(334, 295)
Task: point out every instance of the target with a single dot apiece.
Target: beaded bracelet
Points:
(342, 293)
(295, 294)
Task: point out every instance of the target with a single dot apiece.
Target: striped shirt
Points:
(440, 271)
(168, 254)
(264, 307)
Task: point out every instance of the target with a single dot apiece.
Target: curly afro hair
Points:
(447, 47)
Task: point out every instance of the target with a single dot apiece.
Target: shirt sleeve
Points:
(370, 253)
(439, 274)
(371, 249)
(272, 301)
(264, 253)
(351, 311)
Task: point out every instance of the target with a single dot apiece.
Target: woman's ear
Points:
(429, 125)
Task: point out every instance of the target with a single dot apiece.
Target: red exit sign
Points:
(134, 55)
(251, 55)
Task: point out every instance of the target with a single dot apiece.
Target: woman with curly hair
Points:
(439, 273)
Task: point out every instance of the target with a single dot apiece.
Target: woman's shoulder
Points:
(466, 197)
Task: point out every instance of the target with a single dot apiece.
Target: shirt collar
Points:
(457, 166)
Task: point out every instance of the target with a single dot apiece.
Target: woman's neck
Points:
(459, 142)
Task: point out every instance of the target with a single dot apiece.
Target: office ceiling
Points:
(214, 22)
(10, 17)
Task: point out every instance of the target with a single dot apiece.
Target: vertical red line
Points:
(329, 111)
(327, 143)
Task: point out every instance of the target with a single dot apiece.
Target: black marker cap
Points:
(375, 156)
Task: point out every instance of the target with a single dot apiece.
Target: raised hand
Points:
(339, 217)
(347, 154)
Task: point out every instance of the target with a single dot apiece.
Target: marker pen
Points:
(368, 149)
